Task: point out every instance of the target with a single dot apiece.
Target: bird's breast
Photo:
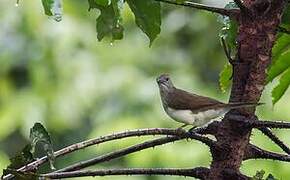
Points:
(197, 119)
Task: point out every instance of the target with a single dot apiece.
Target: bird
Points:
(192, 109)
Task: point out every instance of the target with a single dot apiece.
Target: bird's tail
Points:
(243, 104)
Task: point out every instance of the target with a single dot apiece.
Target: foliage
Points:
(81, 89)
(38, 134)
(229, 33)
(225, 76)
(260, 174)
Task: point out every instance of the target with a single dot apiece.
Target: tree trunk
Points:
(256, 37)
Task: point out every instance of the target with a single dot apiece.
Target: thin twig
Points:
(254, 152)
(123, 152)
(199, 172)
(227, 51)
(222, 11)
(111, 137)
(275, 139)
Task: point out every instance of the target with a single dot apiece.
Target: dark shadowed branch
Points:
(269, 124)
(124, 152)
(222, 11)
(275, 139)
(227, 51)
(132, 133)
(120, 153)
(242, 7)
(254, 152)
(199, 172)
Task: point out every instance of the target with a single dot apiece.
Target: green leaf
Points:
(109, 21)
(229, 28)
(224, 77)
(147, 16)
(38, 134)
(20, 159)
(281, 88)
(47, 6)
(103, 2)
(285, 21)
(279, 65)
(282, 45)
(53, 8)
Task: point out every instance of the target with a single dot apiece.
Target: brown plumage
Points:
(190, 108)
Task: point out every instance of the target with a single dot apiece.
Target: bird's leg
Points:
(197, 130)
(184, 125)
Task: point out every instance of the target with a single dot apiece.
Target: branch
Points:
(242, 7)
(222, 11)
(269, 124)
(111, 137)
(254, 152)
(199, 172)
(123, 152)
(120, 153)
(275, 139)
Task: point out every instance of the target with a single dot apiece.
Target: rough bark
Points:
(256, 37)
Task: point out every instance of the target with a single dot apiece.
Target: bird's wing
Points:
(184, 100)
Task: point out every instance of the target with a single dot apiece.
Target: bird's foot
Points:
(196, 130)
(181, 127)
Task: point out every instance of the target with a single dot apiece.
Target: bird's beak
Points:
(158, 80)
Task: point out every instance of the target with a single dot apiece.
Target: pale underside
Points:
(196, 119)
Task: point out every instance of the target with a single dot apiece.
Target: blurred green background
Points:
(57, 73)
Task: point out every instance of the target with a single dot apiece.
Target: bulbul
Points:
(189, 108)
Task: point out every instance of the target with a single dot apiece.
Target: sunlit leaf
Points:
(281, 88)
(53, 8)
(147, 16)
(103, 2)
(38, 134)
(282, 45)
(47, 6)
(224, 77)
(279, 65)
(109, 21)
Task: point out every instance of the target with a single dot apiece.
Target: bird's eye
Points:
(167, 79)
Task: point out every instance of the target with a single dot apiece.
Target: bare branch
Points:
(120, 153)
(269, 124)
(222, 11)
(123, 152)
(111, 137)
(199, 172)
(275, 139)
(254, 152)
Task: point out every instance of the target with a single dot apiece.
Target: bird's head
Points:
(164, 82)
